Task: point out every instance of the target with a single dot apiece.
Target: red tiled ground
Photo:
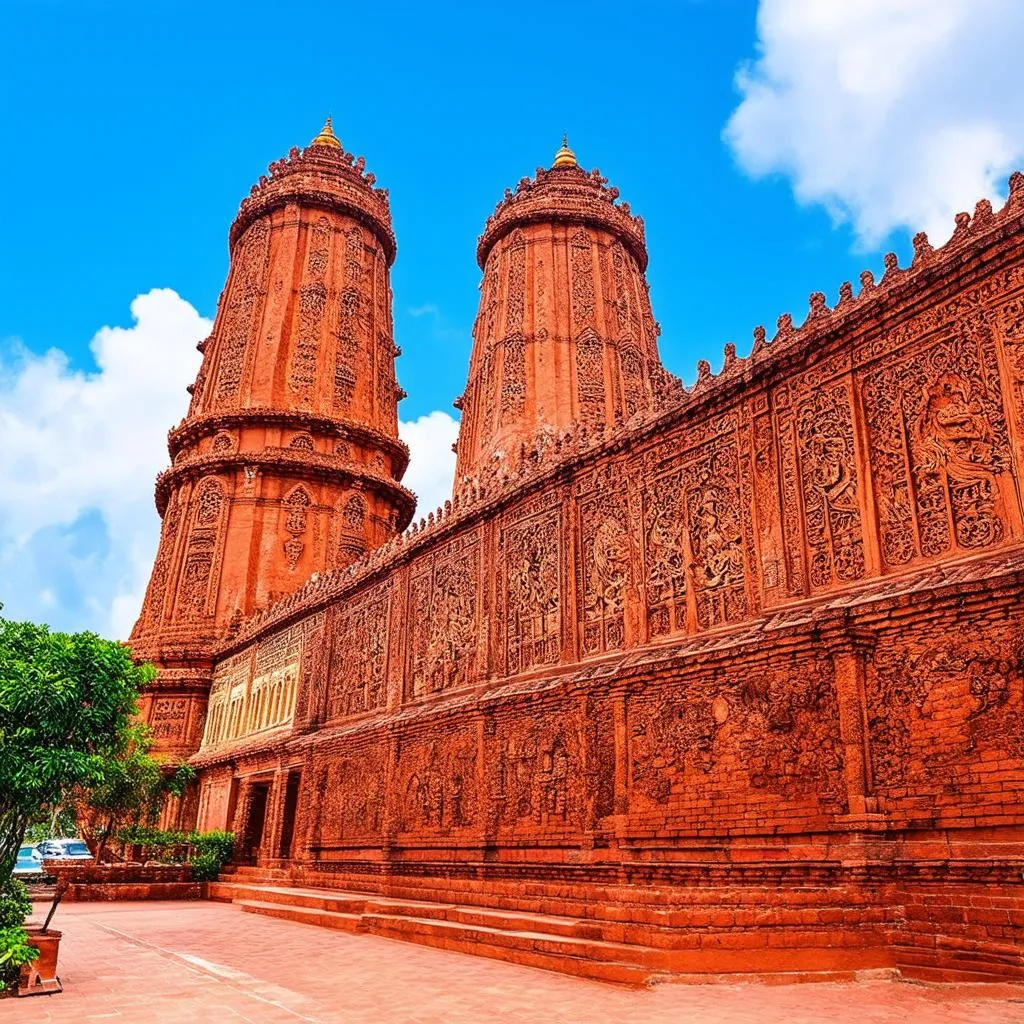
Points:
(172, 963)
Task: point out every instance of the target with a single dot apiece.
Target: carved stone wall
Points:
(764, 631)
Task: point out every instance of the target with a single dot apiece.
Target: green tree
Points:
(67, 701)
(129, 791)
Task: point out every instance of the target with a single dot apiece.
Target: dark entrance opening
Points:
(291, 803)
(256, 820)
(229, 823)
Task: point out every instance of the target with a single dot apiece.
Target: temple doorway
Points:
(291, 803)
(256, 821)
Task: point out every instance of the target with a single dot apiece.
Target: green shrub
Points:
(15, 951)
(212, 851)
(15, 904)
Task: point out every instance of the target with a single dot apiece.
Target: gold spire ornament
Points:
(327, 136)
(565, 157)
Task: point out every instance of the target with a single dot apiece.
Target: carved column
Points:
(848, 658)
(272, 823)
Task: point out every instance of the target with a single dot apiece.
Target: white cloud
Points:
(431, 459)
(78, 458)
(78, 528)
(891, 113)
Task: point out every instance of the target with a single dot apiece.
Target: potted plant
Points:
(16, 950)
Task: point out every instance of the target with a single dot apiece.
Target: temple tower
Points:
(564, 333)
(288, 462)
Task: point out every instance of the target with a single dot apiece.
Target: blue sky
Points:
(774, 148)
(149, 122)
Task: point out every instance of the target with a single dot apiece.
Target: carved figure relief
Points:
(443, 618)
(437, 782)
(513, 382)
(631, 369)
(590, 378)
(515, 300)
(582, 260)
(537, 775)
(353, 801)
(604, 566)
(194, 592)
(531, 556)
(938, 443)
(345, 350)
(716, 539)
(935, 704)
(828, 467)
(312, 306)
(693, 539)
(361, 653)
(779, 728)
(296, 509)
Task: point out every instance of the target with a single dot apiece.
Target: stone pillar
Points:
(848, 652)
(272, 823)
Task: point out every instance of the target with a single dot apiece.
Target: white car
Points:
(30, 862)
(64, 849)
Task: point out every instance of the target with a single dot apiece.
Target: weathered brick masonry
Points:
(734, 671)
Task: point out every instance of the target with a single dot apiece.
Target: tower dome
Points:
(564, 332)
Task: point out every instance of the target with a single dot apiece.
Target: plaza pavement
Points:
(190, 963)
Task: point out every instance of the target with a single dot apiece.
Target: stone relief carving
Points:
(938, 442)
(361, 653)
(443, 618)
(531, 556)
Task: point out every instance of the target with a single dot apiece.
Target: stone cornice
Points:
(564, 195)
(290, 462)
(191, 430)
(324, 177)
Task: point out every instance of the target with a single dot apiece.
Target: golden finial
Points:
(565, 157)
(327, 136)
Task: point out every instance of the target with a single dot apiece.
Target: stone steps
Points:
(591, 946)
(340, 920)
(535, 940)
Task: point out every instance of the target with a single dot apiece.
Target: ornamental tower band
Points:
(288, 462)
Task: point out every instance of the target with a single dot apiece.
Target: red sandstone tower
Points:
(565, 332)
(288, 462)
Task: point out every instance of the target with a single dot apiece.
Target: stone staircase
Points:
(699, 943)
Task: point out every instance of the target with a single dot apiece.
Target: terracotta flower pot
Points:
(39, 978)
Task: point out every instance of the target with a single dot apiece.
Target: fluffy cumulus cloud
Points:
(78, 528)
(892, 113)
(431, 459)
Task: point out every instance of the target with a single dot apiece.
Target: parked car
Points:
(30, 862)
(64, 849)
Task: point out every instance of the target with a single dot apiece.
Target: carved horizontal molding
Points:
(301, 465)
(324, 178)
(564, 196)
(192, 430)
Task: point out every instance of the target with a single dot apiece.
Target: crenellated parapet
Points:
(322, 175)
(566, 193)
